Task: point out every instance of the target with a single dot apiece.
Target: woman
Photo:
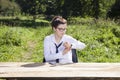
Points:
(57, 46)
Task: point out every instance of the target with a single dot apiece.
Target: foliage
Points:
(66, 8)
(26, 44)
(9, 8)
(33, 7)
(102, 43)
(21, 37)
(114, 12)
(26, 21)
(105, 6)
(10, 37)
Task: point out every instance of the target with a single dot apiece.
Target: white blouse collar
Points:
(53, 38)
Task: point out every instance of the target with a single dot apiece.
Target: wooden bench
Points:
(45, 71)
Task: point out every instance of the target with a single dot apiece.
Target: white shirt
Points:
(50, 49)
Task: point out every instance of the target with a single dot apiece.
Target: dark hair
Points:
(57, 20)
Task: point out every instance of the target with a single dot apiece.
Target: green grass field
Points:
(25, 44)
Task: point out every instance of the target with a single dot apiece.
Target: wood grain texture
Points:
(31, 69)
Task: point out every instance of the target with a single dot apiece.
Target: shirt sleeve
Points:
(47, 51)
(76, 44)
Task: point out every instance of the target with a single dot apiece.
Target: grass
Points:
(25, 44)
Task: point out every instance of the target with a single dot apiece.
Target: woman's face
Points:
(60, 30)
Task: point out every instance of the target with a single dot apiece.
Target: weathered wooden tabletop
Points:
(31, 69)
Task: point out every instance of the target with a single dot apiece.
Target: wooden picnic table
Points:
(75, 71)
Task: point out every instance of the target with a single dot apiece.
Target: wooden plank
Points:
(31, 69)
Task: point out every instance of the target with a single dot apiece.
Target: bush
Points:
(116, 32)
(9, 8)
(11, 37)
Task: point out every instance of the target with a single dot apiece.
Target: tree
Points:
(96, 8)
(72, 8)
(66, 8)
(114, 12)
(32, 7)
(8, 7)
